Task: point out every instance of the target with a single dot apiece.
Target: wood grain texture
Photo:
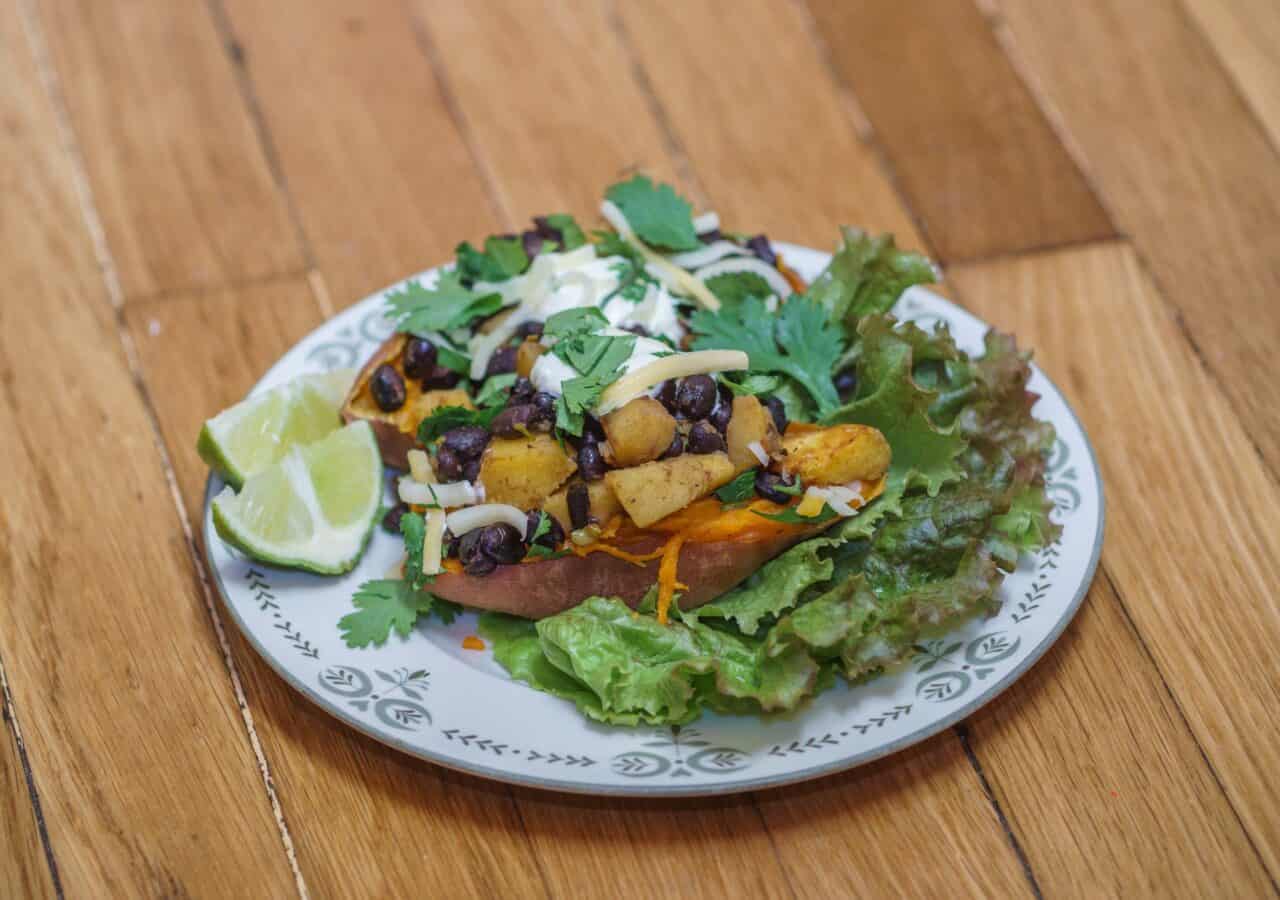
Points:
(1245, 34)
(147, 781)
(572, 116)
(767, 133)
(179, 179)
(908, 826)
(383, 181)
(343, 795)
(1192, 543)
(1182, 166)
(1101, 779)
(974, 156)
(23, 870)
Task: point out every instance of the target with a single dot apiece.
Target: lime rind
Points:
(314, 510)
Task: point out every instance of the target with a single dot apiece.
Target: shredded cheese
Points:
(455, 493)
(433, 543)
(420, 467)
(679, 365)
(464, 520)
(668, 272)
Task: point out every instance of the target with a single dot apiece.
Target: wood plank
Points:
(767, 133)
(179, 179)
(974, 156)
(109, 654)
(1182, 166)
(1192, 536)
(1245, 34)
(383, 181)
(199, 354)
(1101, 779)
(573, 118)
(913, 825)
(23, 870)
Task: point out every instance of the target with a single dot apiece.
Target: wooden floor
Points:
(188, 187)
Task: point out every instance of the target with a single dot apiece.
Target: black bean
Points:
(532, 328)
(501, 543)
(532, 243)
(592, 430)
(521, 392)
(514, 420)
(778, 411)
(480, 565)
(710, 237)
(767, 484)
(675, 448)
(391, 521)
(451, 549)
(387, 388)
(554, 535)
(448, 465)
(579, 501)
(846, 383)
(703, 438)
(471, 471)
(546, 403)
(759, 245)
(667, 395)
(723, 410)
(469, 547)
(418, 357)
(440, 378)
(696, 396)
(502, 362)
(468, 441)
(591, 462)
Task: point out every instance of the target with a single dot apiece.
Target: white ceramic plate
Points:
(429, 697)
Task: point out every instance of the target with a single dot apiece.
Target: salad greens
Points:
(964, 496)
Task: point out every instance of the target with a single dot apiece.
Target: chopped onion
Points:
(668, 273)
(464, 520)
(757, 450)
(433, 543)
(708, 221)
(420, 467)
(679, 365)
(693, 259)
(779, 284)
(455, 493)
(839, 497)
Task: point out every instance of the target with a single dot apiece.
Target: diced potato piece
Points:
(602, 503)
(526, 355)
(657, 489)
(836, 455)
(639, 432)
(524, 471)
(751, 422)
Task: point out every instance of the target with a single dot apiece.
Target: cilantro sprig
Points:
(541, 551)
(445, 418)
(413, 528)
(791, 517)
(656, 213)
(501, 259)
(386, 605)
(598, 359)
(740, 490)
(799, 341)
(425, 311)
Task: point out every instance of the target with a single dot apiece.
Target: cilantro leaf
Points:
(448, 305)
(610, 243)
(799, 341)
(541, 551)
(599, 358)
(574, 321)
(752, 384)
(444, 418)
(742, 488)
(494, 389)
(656, 213)
(380, 607)
(571, 234)
(413, 527)
(734, 287)
(791, 517)
(502, 258)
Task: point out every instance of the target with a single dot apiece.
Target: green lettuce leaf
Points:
(866, 276)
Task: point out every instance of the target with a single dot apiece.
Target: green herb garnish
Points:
(446, 306)
(791, 517)
(390, 604)
(741, 489)
(445, 418)
(502, 258)
(656, 213)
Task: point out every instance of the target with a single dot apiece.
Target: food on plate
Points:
(677, 478)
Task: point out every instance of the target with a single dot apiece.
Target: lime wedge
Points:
(313, 510)
(247, 438)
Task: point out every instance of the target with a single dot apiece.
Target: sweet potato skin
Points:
(541, 589)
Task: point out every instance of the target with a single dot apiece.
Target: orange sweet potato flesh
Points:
(397, 432)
